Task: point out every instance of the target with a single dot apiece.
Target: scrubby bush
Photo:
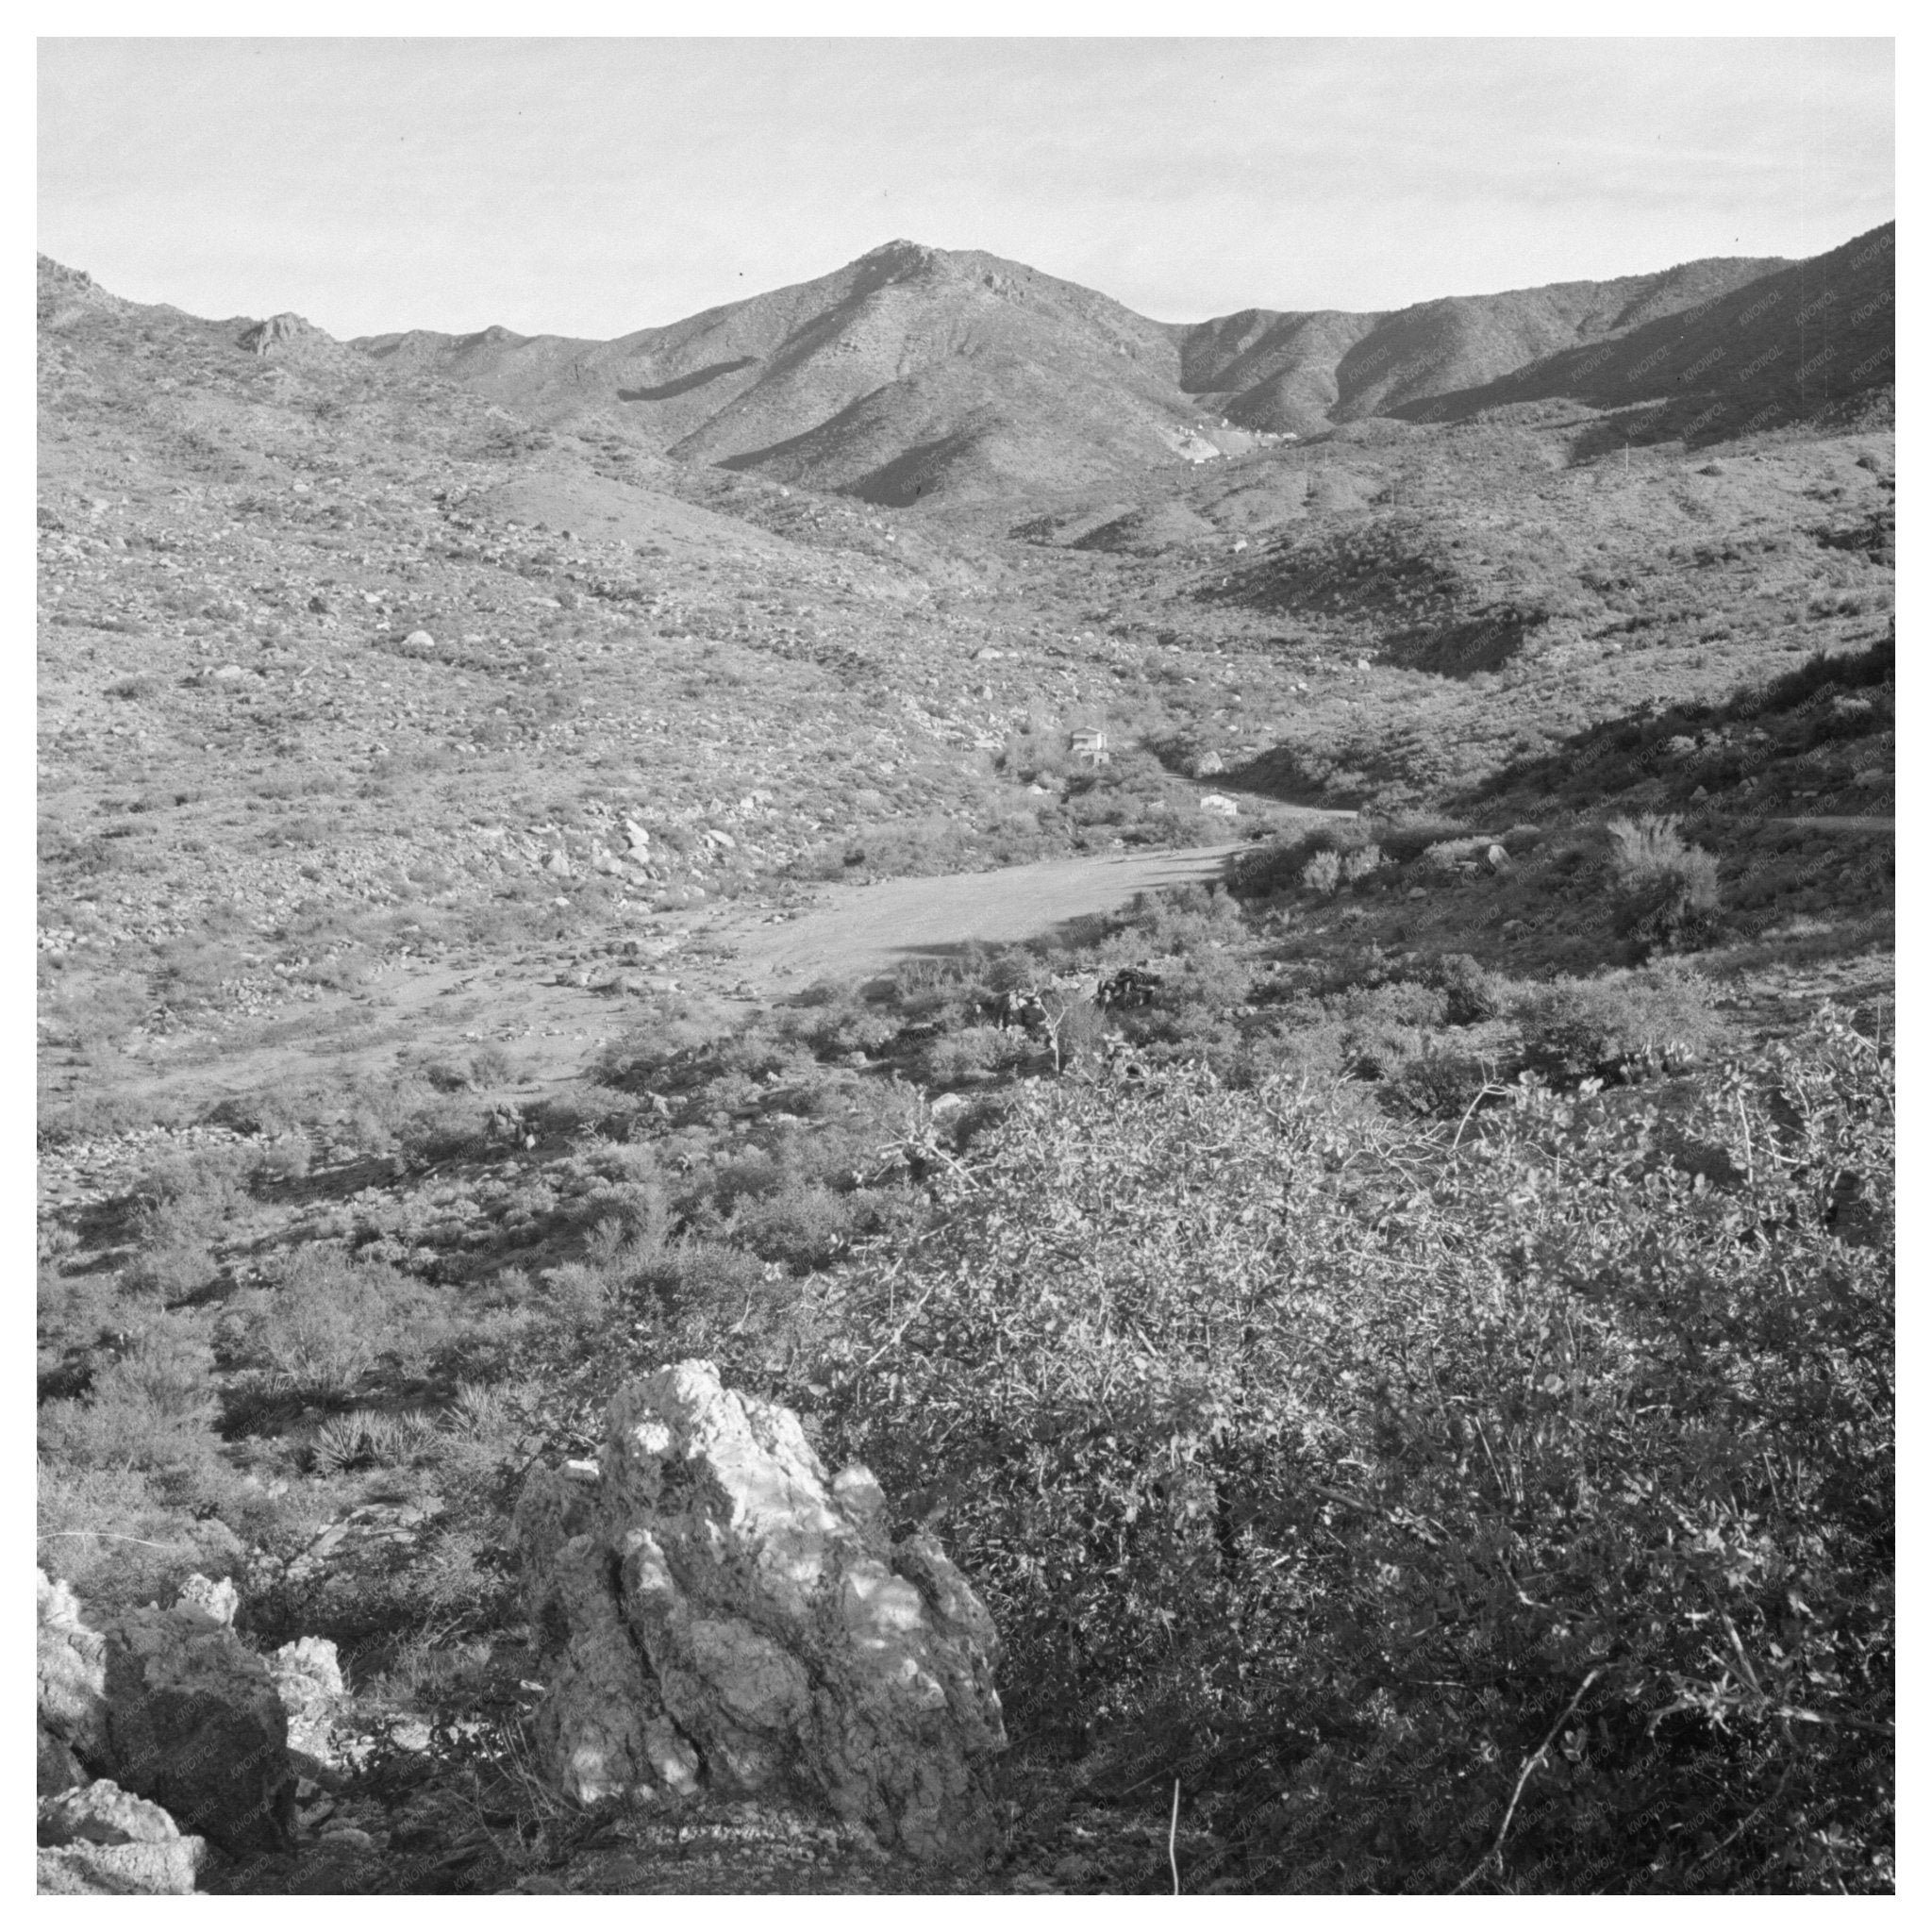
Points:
(1471, 993)
(1359, 864)
(1617, 1026)
(150, 1408)
(1322, 874)
(1519, 1520)
(324, 1322)
(1663, 889)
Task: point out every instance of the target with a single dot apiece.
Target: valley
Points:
(1254, 958)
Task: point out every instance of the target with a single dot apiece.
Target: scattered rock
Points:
(309, 1680)
(712, 1605)
(1497, 860)
(103, 1814)
(83, 1870)
(419, 640)
(1208, 764)
(217, 1600)
(98, 1839)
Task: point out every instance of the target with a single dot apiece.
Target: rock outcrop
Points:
(308, 1677)
(173, 1706)
(195, 1723)
(98, 1839)
(71, 1699)
(711, 1607)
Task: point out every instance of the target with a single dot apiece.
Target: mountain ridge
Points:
(914, 373)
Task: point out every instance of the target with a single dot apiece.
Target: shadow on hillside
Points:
(1604, 759)
(682, 385)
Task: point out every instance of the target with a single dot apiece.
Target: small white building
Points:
(1090, 742)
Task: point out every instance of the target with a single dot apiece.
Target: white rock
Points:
(711, 1603)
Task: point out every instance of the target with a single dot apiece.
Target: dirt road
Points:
(552, 1026)
(861, 930)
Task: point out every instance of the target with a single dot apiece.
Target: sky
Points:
(590, 187)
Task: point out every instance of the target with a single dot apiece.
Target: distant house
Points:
(1090, 743)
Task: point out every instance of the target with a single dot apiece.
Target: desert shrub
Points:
(848, 1026)
(324, 1321)
(1470, 991)
(1479, 1522)
(799, 1223)
(1440, 1082)
(1618, 1025)
(1076, 1029)
(971, 1050)
(1280, 864)
(151, 1407)
(1663, 889)
(1405, 840)
(1322, 874)
(1359, 864)
(441, 1128)
(75, 1318)
(1394, 1001)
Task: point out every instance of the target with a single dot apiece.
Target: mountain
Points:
(1301, 372)
(1802, 341)
(908, 370)
(918, 375)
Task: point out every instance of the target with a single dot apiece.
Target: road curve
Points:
(862, 930)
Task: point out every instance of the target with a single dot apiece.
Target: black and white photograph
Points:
(965, 955)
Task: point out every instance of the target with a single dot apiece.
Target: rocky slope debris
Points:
(175, 1716)
(712, 1607)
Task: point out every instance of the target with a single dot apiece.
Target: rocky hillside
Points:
(1803, 340)
(1301, 372)
(916, 375)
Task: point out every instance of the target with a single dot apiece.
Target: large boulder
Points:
(706, 1601)
(98, 1839)
(194, 1722)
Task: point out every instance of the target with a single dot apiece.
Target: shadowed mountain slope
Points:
(1784, 347)
(1301, 372)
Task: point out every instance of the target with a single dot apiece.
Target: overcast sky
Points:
(592, 187)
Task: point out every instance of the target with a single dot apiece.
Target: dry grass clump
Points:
(1664, 889)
